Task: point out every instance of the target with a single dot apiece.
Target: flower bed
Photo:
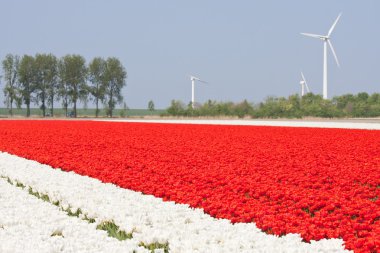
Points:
(31, 225)
(320, 183)
(145, 219)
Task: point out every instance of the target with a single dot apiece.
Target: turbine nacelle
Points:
(193, 79)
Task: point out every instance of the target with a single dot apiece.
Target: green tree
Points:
(45, 82)
(96, 75)
(243, 109)
(374, 105)
(208, 108)
(345, 103)
(52, 81)
(10, 67)
(73, 73)
(124, 111)
(151, 105)
(63, 84)
(115, 76)
(176, 108)
(26, 75)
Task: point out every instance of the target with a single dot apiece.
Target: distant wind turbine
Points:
(326, 40)
(304, 85)
(193, 79)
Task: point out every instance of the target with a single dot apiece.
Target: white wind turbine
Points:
(304, 85)
(326, 40)
(193, 79)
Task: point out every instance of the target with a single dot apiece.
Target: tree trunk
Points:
(97, 100)
(52, 106)
(27, 109)
(97, 107)
(11, 107)
(110, 107)
(65, 105)
(43, 106)
(75, 108)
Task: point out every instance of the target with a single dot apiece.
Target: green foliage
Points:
(44, 79)
(153, 246)
(73, 73)
(124, 111)
(57, 233)
(10, 66)
(96, 75)
(44, 76)
(26, 70)
(113, 230)
(176, 108)
(310, 105)
(114, 79)
(73, 214)
(90, 112)
(151, 105)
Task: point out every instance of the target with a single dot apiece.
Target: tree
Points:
(243, 109)
(26, 75)
(39, 82)
(124, 111)
(96, 75)
(151, 105)
(176, 108)
(10, 66)
(114, 78)
(52, 81)
(73, 73)
(45, 80)
(63, 85)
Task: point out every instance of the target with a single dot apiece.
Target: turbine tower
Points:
(326, 40)
(304, 85)
(193, 79)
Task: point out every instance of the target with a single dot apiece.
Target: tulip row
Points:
(320, 183)
(150, 220)
(28, 224)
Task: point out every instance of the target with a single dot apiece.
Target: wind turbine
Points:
(326, 40)
(304, 85)
(193, 79)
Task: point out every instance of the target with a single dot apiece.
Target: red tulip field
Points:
(317, 182)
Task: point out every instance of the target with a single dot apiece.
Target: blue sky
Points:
(244, 49)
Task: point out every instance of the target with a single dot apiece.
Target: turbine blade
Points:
(307, 88)
(199, 80)
(304, 79)
(312, 35)
(194, 77)
(333, 26)
(333, 51)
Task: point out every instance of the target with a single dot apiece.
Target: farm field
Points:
(90, 112)
(141, 219)
(317, 182)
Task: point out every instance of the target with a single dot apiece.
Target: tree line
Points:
(294, 106)
(44, 79)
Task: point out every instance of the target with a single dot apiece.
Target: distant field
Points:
(59, 112)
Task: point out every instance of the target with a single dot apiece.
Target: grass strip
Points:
(153, 246)
(113, 230)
